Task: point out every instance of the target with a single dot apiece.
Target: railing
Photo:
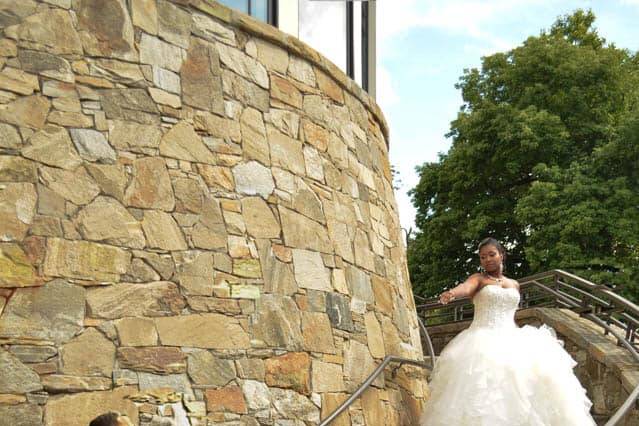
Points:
(555, 288)
(369, 381)
(615, 314)
(380, 369)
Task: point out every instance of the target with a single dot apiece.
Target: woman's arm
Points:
(465, 289)
(517, 285)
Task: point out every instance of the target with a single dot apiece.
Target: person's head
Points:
(491, 255)
(111, 418)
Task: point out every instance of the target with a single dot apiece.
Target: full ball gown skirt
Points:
(495, 373)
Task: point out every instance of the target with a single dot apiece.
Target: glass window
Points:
(258, 9)
(336, 29)
(322, 25)
(241, 5)
(339, 31)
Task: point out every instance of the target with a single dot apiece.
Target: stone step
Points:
(600, 420)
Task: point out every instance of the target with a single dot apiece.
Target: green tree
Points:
(543, 107)
(585, 218)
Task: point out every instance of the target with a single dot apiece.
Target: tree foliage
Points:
(544, 157)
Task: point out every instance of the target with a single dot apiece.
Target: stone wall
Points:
(196, 222)
(608, 372)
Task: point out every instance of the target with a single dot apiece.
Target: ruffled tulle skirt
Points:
(508, 376)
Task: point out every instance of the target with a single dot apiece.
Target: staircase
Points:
(604, 322)
(598, 320)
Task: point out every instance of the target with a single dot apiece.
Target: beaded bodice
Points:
(495, 306)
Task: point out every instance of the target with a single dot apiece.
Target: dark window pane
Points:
(259, 9)
(357, 41)
(241, 5)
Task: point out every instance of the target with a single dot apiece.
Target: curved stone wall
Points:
(196, 222)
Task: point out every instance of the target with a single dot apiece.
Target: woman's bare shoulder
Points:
(476, 283)
(513, 283)
(475, 277)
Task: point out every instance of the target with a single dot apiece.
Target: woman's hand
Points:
(446, 297)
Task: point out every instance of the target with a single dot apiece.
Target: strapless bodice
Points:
(495, 307)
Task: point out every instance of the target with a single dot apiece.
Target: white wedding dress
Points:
(495, 373)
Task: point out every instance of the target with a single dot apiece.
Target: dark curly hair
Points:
(107, 419)
(490, 241)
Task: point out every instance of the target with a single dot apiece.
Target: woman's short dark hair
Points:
(106, 419)
(490, 241)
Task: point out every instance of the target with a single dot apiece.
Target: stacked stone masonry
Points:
(197, 223)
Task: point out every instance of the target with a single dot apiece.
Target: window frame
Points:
(365, 37)
(271, 11)
(350, 42)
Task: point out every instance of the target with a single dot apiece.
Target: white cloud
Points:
(475, 28)
(386, 94)
(478, 50)
(395, 16)
(464, 17)
(473, 20)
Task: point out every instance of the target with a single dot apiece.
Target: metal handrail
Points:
(429, 343)
(367, 383)
(379, 369)
(597, 303)
(616, 305)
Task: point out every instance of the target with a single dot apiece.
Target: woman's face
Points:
(490, 258)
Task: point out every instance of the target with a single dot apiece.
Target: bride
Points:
(495, 373)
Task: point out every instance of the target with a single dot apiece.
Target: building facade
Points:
(341, 30)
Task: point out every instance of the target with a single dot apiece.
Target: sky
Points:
(423, 47)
